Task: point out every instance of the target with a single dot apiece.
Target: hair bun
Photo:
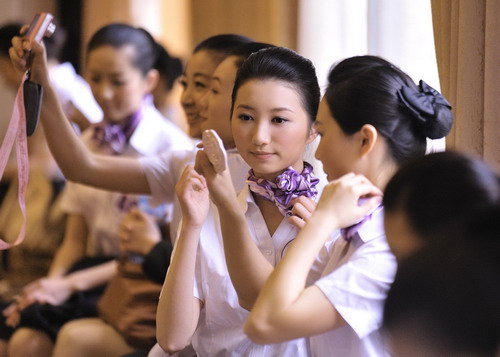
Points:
(431, 110)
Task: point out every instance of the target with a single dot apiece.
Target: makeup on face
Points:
(270, 127)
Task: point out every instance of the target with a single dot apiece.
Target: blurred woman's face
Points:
(216, 105)
(116, 84)
(195, 82)
(401, 238)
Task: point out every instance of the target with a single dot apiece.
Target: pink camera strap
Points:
(17, 130)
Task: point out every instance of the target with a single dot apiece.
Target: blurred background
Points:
(323, 30)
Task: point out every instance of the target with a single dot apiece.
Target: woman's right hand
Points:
(340, 200)
(25, 55)
(54, 291)
(192, 191)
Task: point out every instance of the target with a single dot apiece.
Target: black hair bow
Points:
(429, 107)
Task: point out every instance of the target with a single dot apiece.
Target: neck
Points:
(386, 170)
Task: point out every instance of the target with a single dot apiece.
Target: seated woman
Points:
(119, 65)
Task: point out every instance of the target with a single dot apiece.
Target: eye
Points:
(279, 120)
(183, 83)
(245, 117)
(95, 79)
(214, 91)
(118, 83)
(200, 85)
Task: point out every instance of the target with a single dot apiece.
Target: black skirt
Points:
(50, 318)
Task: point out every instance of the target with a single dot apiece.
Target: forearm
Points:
(248, 268)
(79, 164)
(64, 258)
(288, 281)
(86, 279)
(178, 310)
(73, 247)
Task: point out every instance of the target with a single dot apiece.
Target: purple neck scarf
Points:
(349, 232)
(113, 137)
(286, 187)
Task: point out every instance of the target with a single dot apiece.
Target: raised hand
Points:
(192, 191)
(29, 55)
(220, 185)
(340, 201)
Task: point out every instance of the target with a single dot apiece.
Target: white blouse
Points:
(100, 208)
(220, 328)
(355, 278)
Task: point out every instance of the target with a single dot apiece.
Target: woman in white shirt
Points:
(131, 175)
(220, 262)
(372, 118)
(119, 65)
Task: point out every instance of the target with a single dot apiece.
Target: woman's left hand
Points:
(220, 185)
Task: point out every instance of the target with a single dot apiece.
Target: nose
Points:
(203, 104)
(104, 91)
(317, 153)
(260, 134)
(187, 99)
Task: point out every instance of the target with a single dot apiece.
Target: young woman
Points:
(435, 196)
(121, 76)
(137, 230)
(441, 220)
(371, 119)
(274, 103)
(156, 176)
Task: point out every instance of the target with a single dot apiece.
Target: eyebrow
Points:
(278, 109)
(215, 79)
(113, 74)
(202, 75)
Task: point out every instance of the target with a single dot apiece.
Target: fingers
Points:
(371, 204)
(202, 165)
(190, 180)
(297, 221)
(9, 310)
(17, 55)
(303, 207)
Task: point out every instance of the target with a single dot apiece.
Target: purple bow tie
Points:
(114, 136)
(286, 187)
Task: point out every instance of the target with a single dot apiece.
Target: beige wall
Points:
(273, 21)
(166, 20)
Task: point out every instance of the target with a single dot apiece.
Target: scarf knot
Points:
(113, 137)
(286, 187)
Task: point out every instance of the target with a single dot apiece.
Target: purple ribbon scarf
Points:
(349, 232)
(114, 136)
(286, 187)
